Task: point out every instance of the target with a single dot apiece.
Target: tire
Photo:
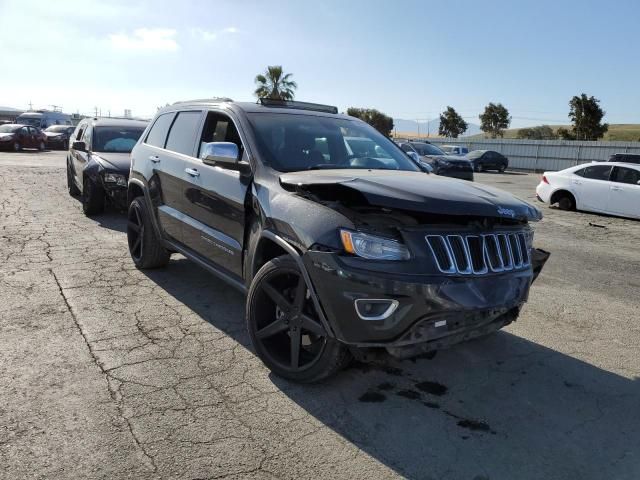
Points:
(92, 198)
(280, 316)
(41, 146)
(74, 191)
(566, 202)
(478, 167)
(65, 145)
(17, 147)
(502, 168)
(145, 247)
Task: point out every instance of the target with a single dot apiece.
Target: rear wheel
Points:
(92, 198)
(566, 202)
(41, 146)
(284, 326)
(145, 247)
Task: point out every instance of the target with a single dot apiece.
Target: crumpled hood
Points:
(115, 161)
(417, 191)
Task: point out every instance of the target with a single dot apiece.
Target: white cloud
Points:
(211, 35)
(158, 39)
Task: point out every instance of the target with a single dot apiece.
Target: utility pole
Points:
(95, 109)
(30, 106)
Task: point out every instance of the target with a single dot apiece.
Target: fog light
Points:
(375, 309)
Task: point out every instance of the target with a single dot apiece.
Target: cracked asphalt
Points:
(110, 372)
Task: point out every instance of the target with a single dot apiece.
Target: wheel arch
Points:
(561, 192)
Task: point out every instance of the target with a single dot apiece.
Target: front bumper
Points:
(435, 306)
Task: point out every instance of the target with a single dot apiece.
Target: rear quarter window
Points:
(157, 136)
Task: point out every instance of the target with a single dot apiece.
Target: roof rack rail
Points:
(210, 100)
(316, 107)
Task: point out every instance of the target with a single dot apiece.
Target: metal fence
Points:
(540, 155)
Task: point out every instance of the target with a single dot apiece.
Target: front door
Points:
(214, 201)
(624, 192)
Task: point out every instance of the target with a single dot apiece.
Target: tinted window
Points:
(626, 175)
(406, 147)
(116, 139)
(183, 133)
(158, 133)
(289, 143)
(580, 172)
(597, 172)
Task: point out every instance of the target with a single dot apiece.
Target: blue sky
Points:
(409, 59)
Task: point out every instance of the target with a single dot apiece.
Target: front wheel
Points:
(71, 184)
(477, 167)
(92, 198)
(17, 147)
(145, 247)
(284, 326)
(502, 168)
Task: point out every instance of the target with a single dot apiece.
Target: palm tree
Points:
(274, 84)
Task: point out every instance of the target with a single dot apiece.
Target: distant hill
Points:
(410, 128)
(622, 132)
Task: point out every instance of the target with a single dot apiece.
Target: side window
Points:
(183, 132)
(625, 175)
(219, 128)
(24, 131)
(597, 172)
(157, 136)
(406, 147)
(580, 172)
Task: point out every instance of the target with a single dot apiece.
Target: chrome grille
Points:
(480, 254)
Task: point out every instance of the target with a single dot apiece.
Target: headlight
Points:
(373, 247)
(116, 178)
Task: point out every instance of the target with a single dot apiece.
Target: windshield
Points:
(115, 139)
(58, 128)
(34, 122)
(305, 142)
(475, 154)
(9, 128)
(427, 149)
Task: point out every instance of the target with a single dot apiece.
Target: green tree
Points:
(274, 84)
(494, 120)
(378, 120)
(542, 132)
(586, 115)
(451, 123)
(565, 134)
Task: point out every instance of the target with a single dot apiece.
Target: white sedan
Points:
(612, 188)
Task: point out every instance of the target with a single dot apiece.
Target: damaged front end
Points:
(468, 272)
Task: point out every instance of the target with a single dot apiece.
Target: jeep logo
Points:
(506, 211)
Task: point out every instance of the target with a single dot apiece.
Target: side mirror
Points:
(215, 153)
(79, 145)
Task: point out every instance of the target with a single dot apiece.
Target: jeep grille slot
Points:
(480, 254)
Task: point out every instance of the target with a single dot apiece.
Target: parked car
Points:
(15, 137)
(57, 136)
(440, 162)
(98, 161)
(603, 187)
(487, 160)
(339, 254)
(44, 118)
(625, 158)
(454, 150)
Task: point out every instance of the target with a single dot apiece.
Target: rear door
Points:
(624, 192)
(167, 145)
(214, 200)
(593, 187)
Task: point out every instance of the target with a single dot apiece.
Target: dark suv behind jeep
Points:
(341, 250)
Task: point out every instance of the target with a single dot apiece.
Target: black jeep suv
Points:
(340, 253)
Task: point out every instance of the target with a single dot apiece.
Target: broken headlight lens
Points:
(119, 180)
(373, 247)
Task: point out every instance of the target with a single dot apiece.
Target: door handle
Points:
(577, 182)
(192, 171)
(616, 188)
(154, 158)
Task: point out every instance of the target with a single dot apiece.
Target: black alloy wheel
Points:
(135, 233)
(284, 326)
